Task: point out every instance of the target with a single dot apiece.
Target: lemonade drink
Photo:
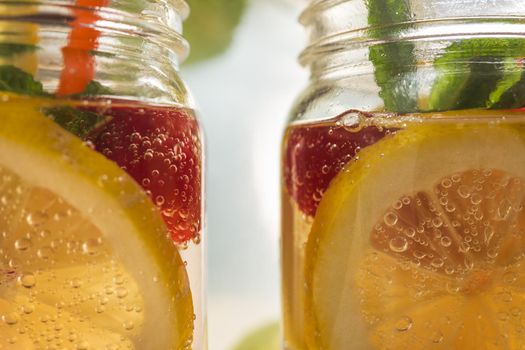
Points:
(93, 222)
(402, 178)
(417, 240)
(101, 180)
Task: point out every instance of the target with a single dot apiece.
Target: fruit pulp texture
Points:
(314, 154)
(160, 148)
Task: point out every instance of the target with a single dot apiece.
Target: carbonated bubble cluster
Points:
(457, 252)
(161, 150)
(59, 287)
(314, 155)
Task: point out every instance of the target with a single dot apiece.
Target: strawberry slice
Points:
(314, 155)
(161, 149)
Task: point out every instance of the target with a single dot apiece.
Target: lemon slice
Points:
(85, 259)
(420, 244)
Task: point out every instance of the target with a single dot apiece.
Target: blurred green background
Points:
(211, 26)
(244, 74)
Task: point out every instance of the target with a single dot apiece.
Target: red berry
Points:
(161, 149)
(314, 155)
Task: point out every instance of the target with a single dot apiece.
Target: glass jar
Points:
(101, 178)
(404, 178)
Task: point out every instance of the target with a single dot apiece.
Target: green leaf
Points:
(511, 77)
(10, 50)
(479, 73)
(513, 97)
(211, 25)
(76, 121)
(15, 80)
(95, 88)
(395, 63)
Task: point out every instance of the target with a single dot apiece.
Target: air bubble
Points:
(184, 214)
(404, 324)
(390, 219)
(75, 283)
(398, 244)
(100, 309)
(121, 292)
(118, 279)
(148, 156)
(463, 191)
(446, 241)
(446, 183)
(11, 318)
(36, 219)
(353, 122)
(44, 252)
(22, 244)
(437, 337)
(91, 246)
(476, 198)
(437, 222)
(128, 325)
(437, 262)
(28, 308)
(492, 253)
(27, 280)
(102, 180)
(419, 254)
(159, 200)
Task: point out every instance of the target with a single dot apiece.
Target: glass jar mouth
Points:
(159, 23)
(440, 30)
(336, 25)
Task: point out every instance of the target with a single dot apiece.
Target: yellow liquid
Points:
(66, 281)
(416, 243)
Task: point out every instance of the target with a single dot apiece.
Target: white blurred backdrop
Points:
(244, 97)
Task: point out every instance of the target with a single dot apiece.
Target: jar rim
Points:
(439, 29)
(159, 22)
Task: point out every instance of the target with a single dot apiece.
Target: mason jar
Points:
(101, 178)
(403, 178)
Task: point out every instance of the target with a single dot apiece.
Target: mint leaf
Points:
(76, 121)
(395, 63)
(79, 122)
(478, 73)
(15, 80)
(95, 88)
(10, 50)
(508, 90)
(513, 97)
